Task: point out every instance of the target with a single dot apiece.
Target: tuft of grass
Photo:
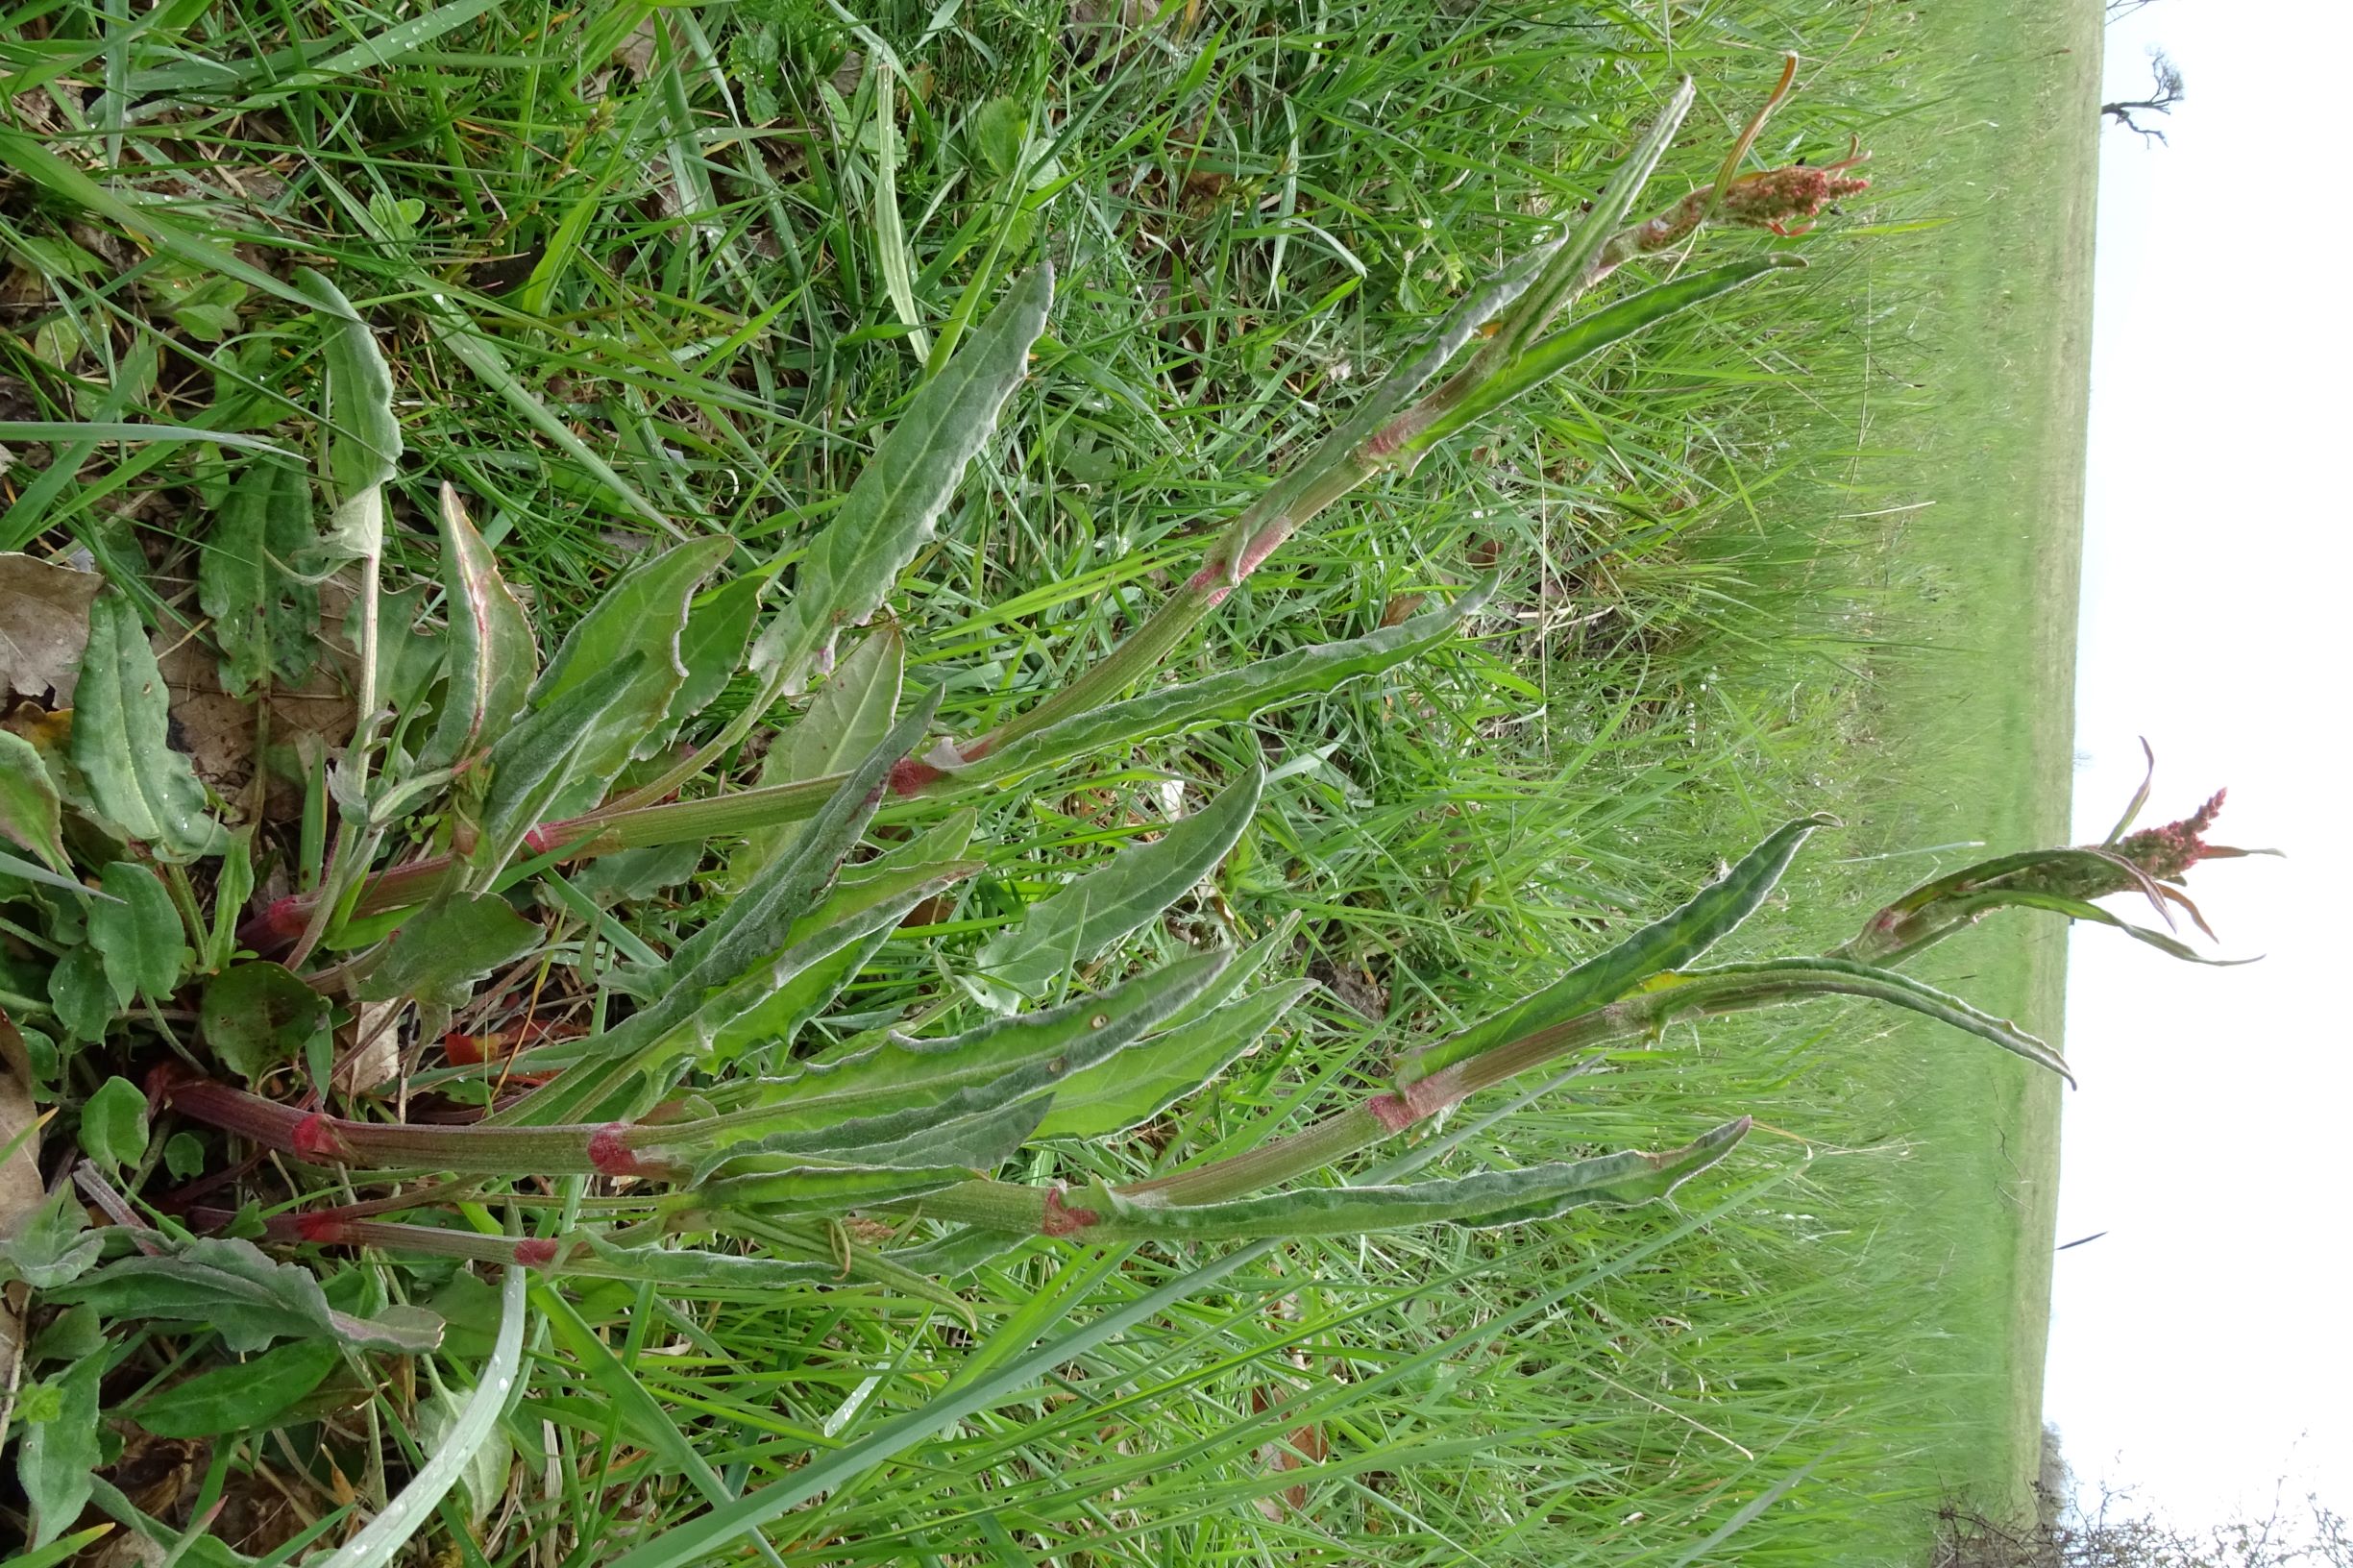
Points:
(646, 271)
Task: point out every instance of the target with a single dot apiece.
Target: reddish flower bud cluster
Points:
(1774, 199)
(2166, 852)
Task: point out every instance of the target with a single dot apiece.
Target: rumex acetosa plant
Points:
(677, 1143)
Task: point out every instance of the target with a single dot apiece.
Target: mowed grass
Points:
(626, 293)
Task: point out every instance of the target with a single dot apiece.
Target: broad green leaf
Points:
(718, 631)
(1667, 943)
(1237, 694)
(236, 1288)
(1587, 336)
(746, 953)
(1113, 900)
(534, 764)
(441, 951)
(493, 658)
(249, 1396)
(115, 1125)
(843, 721)
(30, 815)
(458, 1447)
(138, 933)
(265, 614)
(639, 619)
(81, 994)
(56, 1458)
(855, 560)
(998, 1064)
(120, 739)
(365, 444)
(1481, 1202)
(257, 1017)
(1151, 1075)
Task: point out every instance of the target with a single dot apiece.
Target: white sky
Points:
(2200, 1350)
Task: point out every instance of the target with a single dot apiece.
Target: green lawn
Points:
(1973, 722)
(1810, 548)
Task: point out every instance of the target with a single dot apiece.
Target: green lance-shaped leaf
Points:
(493, 658)
(138, 932)
(846, 717)
(1583, 338)
(1668, 944)
(440, 951)
(998, 1064)
(1769, 982)
(1237, 694)
(265, 613)
(239, 1290)
(1489, 1199)
(815, 1187)
(749, 946)
(31, 815)
(364, 440)
(249, 1396)
(120, 741)
(913, 1136)
(534, 764)
(642, 616)
(1976, 906)
(889, 512)
(1151, 1075)
(257, 1017)
(1113, 899)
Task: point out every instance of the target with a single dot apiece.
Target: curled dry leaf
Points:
(44, 622)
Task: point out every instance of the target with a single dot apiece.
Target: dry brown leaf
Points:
(217, 730)
(44, 621)
(370, 1048)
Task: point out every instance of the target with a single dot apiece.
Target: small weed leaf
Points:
(115, 1125)
(493, 656)
(258, 1018)
(120, 741)
(138, 934)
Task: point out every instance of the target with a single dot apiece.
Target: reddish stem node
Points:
(1061, 1220)
(609, 1151)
